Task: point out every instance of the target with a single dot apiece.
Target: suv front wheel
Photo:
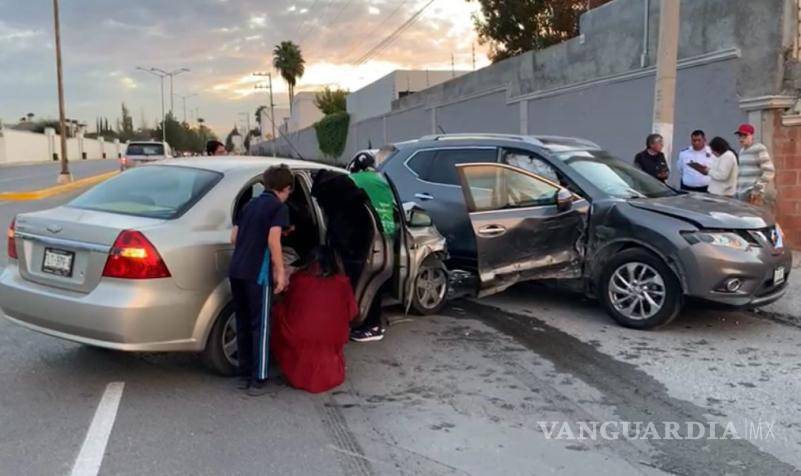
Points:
(639, 291)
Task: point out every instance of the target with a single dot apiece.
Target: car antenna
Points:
(284, 137)
(441, 129)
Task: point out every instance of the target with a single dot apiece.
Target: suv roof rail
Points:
(481, 135)
(565, 141)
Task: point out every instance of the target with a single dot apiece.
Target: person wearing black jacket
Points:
(652, 161)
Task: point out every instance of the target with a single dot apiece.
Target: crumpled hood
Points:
(708, 211)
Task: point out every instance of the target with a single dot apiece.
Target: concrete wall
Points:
(304, 112)
(600, 86)
(22, 146)
(376, 98)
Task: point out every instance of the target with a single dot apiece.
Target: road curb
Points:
(56, 190)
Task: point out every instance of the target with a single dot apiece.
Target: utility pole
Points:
(665, 85)
(272, 104)
(64, 176)
(453, 67)
(473, 51)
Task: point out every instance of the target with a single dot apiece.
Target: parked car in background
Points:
(140, 262)
(517, 208)
(141, 152)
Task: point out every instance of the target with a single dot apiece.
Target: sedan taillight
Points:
(12, 242)
(134, 257)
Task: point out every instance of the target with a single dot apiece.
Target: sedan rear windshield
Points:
(153, 192)
(613, 176)
(145, 149)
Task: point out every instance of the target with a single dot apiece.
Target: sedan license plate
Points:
(58, 262)
(778, 276)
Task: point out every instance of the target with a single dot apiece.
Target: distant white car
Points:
(141, 152)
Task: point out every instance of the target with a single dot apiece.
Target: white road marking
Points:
(94, 445)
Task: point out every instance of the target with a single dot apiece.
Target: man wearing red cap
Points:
(755, 180)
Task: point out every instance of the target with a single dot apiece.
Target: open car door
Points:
(526, 226)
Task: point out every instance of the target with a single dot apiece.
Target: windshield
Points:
(145, 149)
(613, 176)
(152, 192)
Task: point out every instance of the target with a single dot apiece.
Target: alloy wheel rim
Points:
(432, 283)
(228, 340)
(637, 291)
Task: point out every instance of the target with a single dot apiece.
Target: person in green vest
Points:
(363, 173)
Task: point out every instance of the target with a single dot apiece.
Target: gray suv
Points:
(517, 208)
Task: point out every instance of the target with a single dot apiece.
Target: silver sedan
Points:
(139, 262)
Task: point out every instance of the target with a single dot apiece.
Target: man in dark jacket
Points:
(652, 161)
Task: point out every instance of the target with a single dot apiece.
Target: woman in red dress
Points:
(312, 324)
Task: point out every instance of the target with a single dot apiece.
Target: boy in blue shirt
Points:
(256, 272)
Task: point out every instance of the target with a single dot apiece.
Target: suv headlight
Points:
(726, 239)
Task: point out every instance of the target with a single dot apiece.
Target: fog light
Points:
(733, 285)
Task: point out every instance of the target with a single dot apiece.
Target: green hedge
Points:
(332, 133)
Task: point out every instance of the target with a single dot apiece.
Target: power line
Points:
(393, 36)
(378, 26)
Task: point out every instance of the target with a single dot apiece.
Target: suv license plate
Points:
(58, 262)
(778, 276)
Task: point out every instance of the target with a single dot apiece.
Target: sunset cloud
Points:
(222, 42)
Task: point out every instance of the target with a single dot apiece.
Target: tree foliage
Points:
(332, 133)
(126, 129)
(512, 27)
(288, 60)
(331, 101)
(181, 136)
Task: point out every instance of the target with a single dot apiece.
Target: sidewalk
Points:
(25, 177)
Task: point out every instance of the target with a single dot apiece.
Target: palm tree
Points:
(289, 62)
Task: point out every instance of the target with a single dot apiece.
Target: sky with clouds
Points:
(221, 41)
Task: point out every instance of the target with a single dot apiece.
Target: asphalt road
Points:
(15, 178)
(471, 391)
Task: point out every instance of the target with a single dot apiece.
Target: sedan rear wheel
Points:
(639, 290)
(220, 352)
(430, 287)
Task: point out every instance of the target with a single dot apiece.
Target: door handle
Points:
(424, 196)
(492, 230)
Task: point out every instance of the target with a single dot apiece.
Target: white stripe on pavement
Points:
(94, 445)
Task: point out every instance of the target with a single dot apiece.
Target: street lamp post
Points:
(171, 74)
(184, 98)
(156, 72)
(64, 176)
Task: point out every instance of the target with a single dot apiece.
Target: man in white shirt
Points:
(691, 179)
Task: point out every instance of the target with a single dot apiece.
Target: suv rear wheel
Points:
(430, 287)
(220, 352)
(639, 291)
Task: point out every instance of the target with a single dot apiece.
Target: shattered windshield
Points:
(613, 176)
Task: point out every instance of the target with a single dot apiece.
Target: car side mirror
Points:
(564, 199)
(419, 218)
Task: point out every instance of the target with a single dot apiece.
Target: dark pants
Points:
(687, 188)
(252, 307)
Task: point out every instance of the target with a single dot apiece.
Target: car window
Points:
(492, 187)
(442, 167)
(613, 176)
(145, 149)
(531, 162)
(154, 192)
(420, 162)
(247, 194)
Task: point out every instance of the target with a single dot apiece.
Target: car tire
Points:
(430, 289)
(214, 355)
(639, 290)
